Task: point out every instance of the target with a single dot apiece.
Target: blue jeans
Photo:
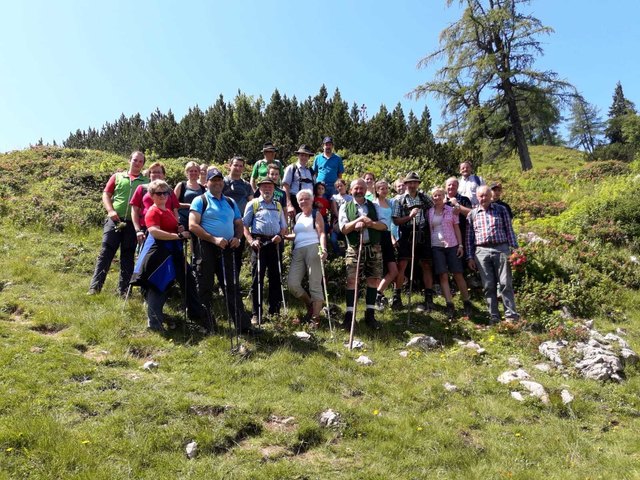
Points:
(494, 268)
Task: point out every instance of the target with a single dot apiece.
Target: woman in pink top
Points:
(447, 249)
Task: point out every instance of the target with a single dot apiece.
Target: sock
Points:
(370, 297)
(350, 294)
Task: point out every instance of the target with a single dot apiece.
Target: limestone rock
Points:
(404, 354)
(191, 449)
(364, 360)
(551, 350)
(543, 367)
(514, 362)
(513, 375)
(450, 387)
(517, 396)
(566, 396)
(536, 390)
(329, 418)
(150, 365)
(423, 341)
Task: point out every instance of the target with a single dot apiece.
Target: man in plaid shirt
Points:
(490, 237)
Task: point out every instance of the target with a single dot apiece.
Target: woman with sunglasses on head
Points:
(153, 270)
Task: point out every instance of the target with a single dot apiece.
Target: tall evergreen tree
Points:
(585, 125)
(492, 46)
(618, 109)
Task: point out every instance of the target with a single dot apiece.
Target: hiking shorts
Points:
(446, 260)
(422, 249)
(370, 261)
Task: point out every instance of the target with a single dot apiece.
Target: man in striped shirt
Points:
(490, 237)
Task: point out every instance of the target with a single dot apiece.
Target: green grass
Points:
(76, 403)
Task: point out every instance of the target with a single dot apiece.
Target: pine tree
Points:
(585, 125)
(619, 108)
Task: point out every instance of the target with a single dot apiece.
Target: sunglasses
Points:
(163, 194)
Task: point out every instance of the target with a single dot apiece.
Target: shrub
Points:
(598, 170)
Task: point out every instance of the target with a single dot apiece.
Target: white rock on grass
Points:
(423, 341)
(329, 418)
(551, 350)
(514, 362)
(629, 357)
(404, 354)
(610, 337)
(512, 376)
(517, 396)
(536, 390)
(191, 449)
(304, 336)
(357, 344)
(364, 360)
(543, 367)
(471, 345)
(450, 387)
(566, 396)
(598, 362)
(150, 365)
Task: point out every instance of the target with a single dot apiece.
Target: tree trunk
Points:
(516, 124)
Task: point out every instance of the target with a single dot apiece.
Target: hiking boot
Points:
(370, 319)
(93, 291)
(451, 311)
(254, 320)
(428, 300)
(421, 307)
(381, 302)
(468, 308)
(348, 318)
(396, 303)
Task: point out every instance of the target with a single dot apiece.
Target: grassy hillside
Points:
(77, 403)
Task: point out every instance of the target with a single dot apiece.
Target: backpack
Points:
(205, 202)
(300, 179)
(313, 215)
(183, 188)
(256, 206)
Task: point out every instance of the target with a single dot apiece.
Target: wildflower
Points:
(8, 450)
(492, 338)
(376, 412)
(518, 434)
(419, 429)
(85, 442)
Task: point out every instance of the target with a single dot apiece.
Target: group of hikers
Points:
(381, 237)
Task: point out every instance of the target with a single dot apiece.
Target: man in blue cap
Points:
(328, 167)
(216, 221)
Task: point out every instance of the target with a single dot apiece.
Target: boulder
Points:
(513, 375)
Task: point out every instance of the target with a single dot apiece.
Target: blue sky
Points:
(73, 64)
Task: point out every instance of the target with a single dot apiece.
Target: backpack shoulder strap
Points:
(183, 187)
(205, 203)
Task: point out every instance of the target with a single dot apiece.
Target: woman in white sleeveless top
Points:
(309, 248)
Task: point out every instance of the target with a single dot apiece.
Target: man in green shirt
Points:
(118, 231)
(261, 167)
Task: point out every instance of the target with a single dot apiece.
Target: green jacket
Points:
(351, 210)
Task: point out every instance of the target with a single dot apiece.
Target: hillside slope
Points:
(79, 404)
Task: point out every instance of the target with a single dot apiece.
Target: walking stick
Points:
(326, 292)
(355, 293)
(236, 320)
(226, 296)
(284, 303)
(258, 253)
(126, 296)
(413, 261)
(186, 279)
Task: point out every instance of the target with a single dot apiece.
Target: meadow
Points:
(77, 403)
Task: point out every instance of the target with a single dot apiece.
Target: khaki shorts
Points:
(370, 262)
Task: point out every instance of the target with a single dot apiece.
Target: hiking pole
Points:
(413, 261)
(355, 293)
(326, 292)
(126, 295)
(226, 295)
(236, 319)
(284, 303)
(186, 278)
(258, 253)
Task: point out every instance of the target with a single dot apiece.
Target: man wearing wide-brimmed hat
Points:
(409, 208)
(297, 176)
(328, 167)
(264, 228)
(260, 168)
